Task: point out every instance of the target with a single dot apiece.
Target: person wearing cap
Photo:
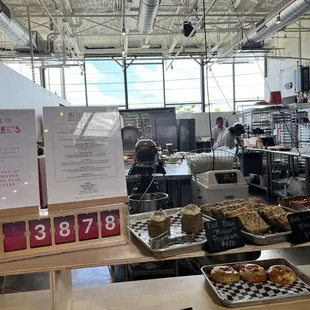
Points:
(229, 135)
(218, 129)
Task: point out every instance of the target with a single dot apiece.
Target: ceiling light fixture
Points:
(278, 19)
(123, 31)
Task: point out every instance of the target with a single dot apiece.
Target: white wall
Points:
(18, 92)
(280, 71)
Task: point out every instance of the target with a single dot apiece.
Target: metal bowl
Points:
(149, 202)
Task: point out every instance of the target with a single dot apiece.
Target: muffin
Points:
(191, 219)
(158, 224)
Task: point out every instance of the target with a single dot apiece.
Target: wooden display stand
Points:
(32, 235)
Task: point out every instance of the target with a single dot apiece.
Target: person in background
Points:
(218, 129)
(229, 135)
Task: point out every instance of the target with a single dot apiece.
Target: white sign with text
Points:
(18, 159)
(84, 154)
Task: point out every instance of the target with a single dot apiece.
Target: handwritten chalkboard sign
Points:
(222, 235)
(300, 225)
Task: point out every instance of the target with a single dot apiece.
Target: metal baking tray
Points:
(138, 228)
(262, 239)
(243, 294)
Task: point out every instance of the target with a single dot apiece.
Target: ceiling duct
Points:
(287, 16)
(147, 14)
(12, 27)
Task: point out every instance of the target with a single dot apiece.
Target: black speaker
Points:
(186, 134)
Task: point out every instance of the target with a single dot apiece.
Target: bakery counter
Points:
(182, 293)
(133, 252)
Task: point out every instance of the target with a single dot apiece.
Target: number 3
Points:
(64, 229)
(41, 231)
(110, 222)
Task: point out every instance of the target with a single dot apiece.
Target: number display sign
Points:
(62, 231)
(84, 154)
(19, 186)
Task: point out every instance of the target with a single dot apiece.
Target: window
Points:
(220, 78)
(249, 82)
(75, 88)
(182, 85)
(105, 83)
(145, 84)
(53, 80)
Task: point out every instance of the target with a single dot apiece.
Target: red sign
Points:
(64, 229)
(88, 226)
(40, 233)
(14, 237)
(110, 223)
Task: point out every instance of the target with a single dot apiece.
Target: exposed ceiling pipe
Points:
(12, 27)
(147, 14)
(288, 15)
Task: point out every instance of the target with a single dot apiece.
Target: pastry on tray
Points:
(236, 212)
(191, 219)
(253, 223)
(281, 274)
(280, 222)
(224, 274)
(253, 273)
(270, 211)
(207, 208)
(158, 224)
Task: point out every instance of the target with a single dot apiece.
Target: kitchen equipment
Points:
(179, 242)
(139, 203)
(245, 294)
(219, 185)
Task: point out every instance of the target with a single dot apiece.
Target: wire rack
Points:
(203, 160)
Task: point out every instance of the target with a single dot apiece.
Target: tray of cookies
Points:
(261, 224)
(170, 232)
(257, 282)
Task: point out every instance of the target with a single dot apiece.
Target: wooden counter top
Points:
(170, 293)
(133, 252)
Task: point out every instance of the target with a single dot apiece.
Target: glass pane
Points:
(75, 88)
(52, 77)
(105, 83)
(186, 107)
(182, 82)
(250, 81)
(220, 88)
(145, 85)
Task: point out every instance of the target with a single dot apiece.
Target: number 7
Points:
(89, 222)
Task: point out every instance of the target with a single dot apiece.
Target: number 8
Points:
(110, 222)
(64, 229)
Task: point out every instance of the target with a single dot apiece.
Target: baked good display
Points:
(253, 273)
(253, 223)
(269, 211)
(191, 219)
(280, 222)
(299, 203)
(158, 224)
(236, 212)
(224, 274)
(281, 274)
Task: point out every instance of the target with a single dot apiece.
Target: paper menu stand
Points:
(84, 157)
(19, 186)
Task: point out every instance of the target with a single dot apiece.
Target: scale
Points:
(218, 185)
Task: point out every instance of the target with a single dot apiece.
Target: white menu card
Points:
(84, 154)
(18, 159)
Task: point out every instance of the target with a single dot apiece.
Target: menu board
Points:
(84, 155)
(18, 159)
(222, 235)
